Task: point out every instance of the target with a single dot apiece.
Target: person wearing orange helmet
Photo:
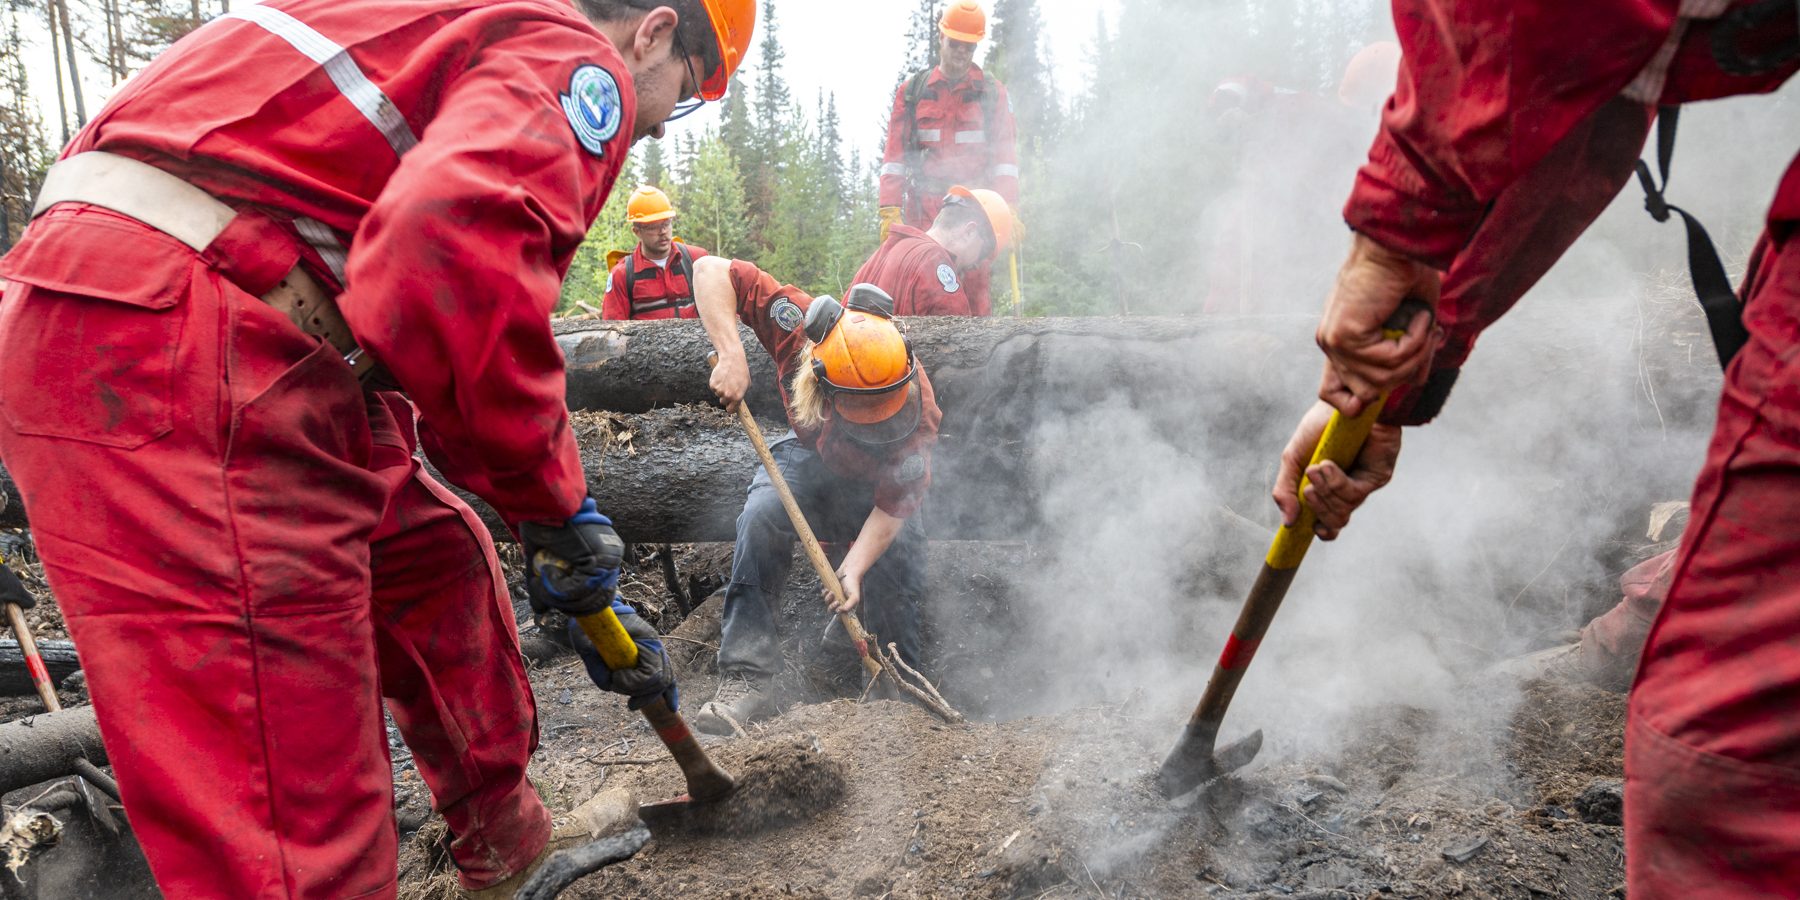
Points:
(923, 270)
(950, 124)
(293, 276)
(655, 281)
(864, 421)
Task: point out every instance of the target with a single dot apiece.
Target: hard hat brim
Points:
(650, 217)
(900, 420)
(955, 35)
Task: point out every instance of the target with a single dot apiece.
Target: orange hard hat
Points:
(648, 204)
(1369, 78)
(865, 364)
(999, 215)
(733, 24)
(964, 21)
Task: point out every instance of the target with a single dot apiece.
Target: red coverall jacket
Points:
(660, 292)
(1505, 137)
(952, 142)
(449, 222)
(776, 312)
(920, 275)
(267, 562)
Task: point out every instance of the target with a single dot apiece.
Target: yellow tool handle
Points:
(1018, 298)
(1342, 441)
(603, 628)
(616, 647)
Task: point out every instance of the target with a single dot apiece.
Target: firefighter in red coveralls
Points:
(923, 270)
(656, 280)
(1504, 139)
(297, 205)
(864, 421)
(951, 124)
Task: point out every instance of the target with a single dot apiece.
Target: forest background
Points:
(1118, 176)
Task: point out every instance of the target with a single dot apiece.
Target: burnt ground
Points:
(1412, 804)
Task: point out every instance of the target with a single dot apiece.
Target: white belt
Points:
(193, 217)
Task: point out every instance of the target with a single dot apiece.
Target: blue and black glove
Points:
(14, 592)
(572, 567)
(652, 677)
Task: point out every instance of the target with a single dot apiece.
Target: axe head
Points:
(1195, 763)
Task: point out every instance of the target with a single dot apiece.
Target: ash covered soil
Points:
(1413, 804)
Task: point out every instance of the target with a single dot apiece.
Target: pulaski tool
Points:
(1195, 762)
(705, 780)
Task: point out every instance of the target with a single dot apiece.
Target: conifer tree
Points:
(714, 213)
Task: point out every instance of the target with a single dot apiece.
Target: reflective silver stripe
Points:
(1006, 170)
(893, 169)
(971, 137)
(324, 240)
(343, 71)
(930, 134)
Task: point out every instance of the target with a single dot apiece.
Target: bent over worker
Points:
(922, 270)
(655, 281)
(858, 460)
(951, 124)
(304, 223)
(1494, 192)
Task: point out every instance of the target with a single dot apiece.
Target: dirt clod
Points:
(787, 780)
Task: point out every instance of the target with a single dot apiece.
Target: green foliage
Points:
(586, 279)
(714, 212)
(24, 148)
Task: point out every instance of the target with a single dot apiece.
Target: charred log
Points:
(46, 746)
(15, 680)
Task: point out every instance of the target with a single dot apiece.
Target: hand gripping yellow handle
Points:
(603, 628)
(1342, 441)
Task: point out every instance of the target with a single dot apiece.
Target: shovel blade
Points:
(1195, 763)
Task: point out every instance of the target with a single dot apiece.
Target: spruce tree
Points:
(714, 212)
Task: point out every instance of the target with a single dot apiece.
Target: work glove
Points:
(652, 677)
(572, 567)
(890, 216)
(12, 591)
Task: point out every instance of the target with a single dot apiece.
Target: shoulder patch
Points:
(911, 469)
(786, 313)
(947, 278)
(593, 107)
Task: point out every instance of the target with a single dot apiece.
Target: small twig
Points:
(894, 666)
(676, 637)
(625, 760)
(667, 552)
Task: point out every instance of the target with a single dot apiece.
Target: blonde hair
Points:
(806, 399)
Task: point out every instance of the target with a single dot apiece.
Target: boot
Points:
(1573, 664)
(743, 699)
(507, 887)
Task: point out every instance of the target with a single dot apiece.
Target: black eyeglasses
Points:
(692, 102)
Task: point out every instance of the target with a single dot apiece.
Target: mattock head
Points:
(1194, 763)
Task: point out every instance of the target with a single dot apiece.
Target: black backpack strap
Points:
(1724, 314)
(632, 277)
(687, 276)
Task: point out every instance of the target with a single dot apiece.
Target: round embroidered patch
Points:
(593, 107)
(947, 278)
(911, 469)
(786, 313)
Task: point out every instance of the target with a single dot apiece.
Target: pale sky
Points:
(853, 49)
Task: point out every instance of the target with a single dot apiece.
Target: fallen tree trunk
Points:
(1028, 404)
(15, 680)
(639, 366)
(45, 746)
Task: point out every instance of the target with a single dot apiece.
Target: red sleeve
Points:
(1527, 229)
(454, 272)
(696, 251)
(1005, 143)
(893, 158)
(760, 306)
(1486, 89)
(929, 297)
(615, 305)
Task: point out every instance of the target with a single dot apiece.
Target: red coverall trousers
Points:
(250, 559)
(1712, 757)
